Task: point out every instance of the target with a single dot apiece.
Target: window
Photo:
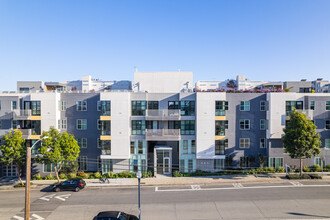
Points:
(190, 165)
(135, 166)
(98, 106)
(262, 124)
(188, 127)
(173, 124)
(173, 105)
(220, 108)
(35, 107)
(14, 124)
(99, 124)
(275, 162)
(82, 106)
(153, 105)
(220, 128)
(318, 161)
(138, 127)
(140, 147)
(82, 163)
(152, 125)
(49, 168)
(82, 142)
(62, 124)
(138, 108)
(182, 166)
(262, 105)
(219, 164)
(105, 127)
(244, 142)
(327, 124)
(132, 147)
(184, 146)
(106, 165)
(193, 147)
(327, 143)
(291, 105)
(312, 105)
(327, 105)
(105, 108)
(143, 165)
(220, 146)
(13, 105)
(105, 147)
(63, 105)
(82, 124)
(24, 90)
(187, 108)
(244, 124)
(245, 106)
(262, 143)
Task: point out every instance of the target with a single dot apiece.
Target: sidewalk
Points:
(166, 180)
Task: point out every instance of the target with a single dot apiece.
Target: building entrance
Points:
(163, 159)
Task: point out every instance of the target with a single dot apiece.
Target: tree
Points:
(301, 140)
(14, 151)
(58, 148)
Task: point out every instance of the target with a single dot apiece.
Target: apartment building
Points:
(166, 127)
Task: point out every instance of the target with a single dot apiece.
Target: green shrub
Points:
(317, 168)
(270, 169)
(306, 169)
(260, 170)
(127, 174)
(328, 166)
(97, 175)
(110, 174)
(49, 177)
(85, 176)
(63, 176)
(72, 175)
(115, 176)
(297, 176)
(280, 169)
(37, 177)
(20, 185)
(177, 173)
(315, 176)
(146, 174)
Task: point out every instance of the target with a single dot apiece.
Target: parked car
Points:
(114, 215)
(75, 184)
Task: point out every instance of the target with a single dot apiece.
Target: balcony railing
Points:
(22, 114)
(163, 134)
(307, 112)
(164, 114)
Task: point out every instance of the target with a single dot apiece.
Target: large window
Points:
(139, 108)
(105, 146)
(153, 105)
(182, 166)
(193, 147)
(187, 108)
(190, 165)
(173, 124)
(262, 105)
(185, 146)
(82, 124)
(132, 147)
(105, 107)
(327, 124)
(327, 105)
(188, 127)
(62, 124)
(13, 105)
(245, 106)
(262, 143)
(82, 106)
(140, 147)
(173, 105)
(152, 124)
(82, 163)
(262, 124)
(14, 124)
(220, 108)
(291, 105)
(106, 165)
(138, 127)
(82, 142)
(327, 143)
(219, 164)
(312, 105)
(63, 105)
(275, 162)
(220, 127)
(244, 142)
(105, 127)
(49, 168)
(220, 146)
(244, 124)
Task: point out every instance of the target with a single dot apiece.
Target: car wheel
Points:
(56, 189)
(76, 189)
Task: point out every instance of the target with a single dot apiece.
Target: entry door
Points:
(167, 168)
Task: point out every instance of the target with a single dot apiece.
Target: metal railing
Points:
(162, 134)
(163, 114)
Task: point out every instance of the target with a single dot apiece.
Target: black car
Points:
(75, 184)
(115, 215)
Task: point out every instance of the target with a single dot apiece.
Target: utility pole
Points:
(139, 175)
(27, 183)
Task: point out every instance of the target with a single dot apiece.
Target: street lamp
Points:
(139, 175)
(28, 175)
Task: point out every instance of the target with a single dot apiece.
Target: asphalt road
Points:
(295, 200)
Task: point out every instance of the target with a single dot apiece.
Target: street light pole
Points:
(138, 175)
(27, 183)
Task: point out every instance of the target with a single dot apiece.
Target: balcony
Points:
(307, 112)
(162, 134)
(25, 114)
(164, 114)
(30, 134)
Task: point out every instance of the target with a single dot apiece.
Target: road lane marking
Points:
(230, 188)
(156, 188)
(37, 217)
(18, 218)
(295, 183)
(47, 198)
(195, 187)
(63, 197)
(237, 185)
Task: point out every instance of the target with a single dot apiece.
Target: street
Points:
(289, 200)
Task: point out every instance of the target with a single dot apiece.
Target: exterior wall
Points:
(294, 86)
(33, 86)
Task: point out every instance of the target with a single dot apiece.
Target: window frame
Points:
(81, 106)
(246, 124)
(244, 106)
(246, 143)
(81, 124)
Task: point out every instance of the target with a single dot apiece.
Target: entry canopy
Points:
(158, 147)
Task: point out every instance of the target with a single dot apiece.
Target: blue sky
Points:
(63, 40)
